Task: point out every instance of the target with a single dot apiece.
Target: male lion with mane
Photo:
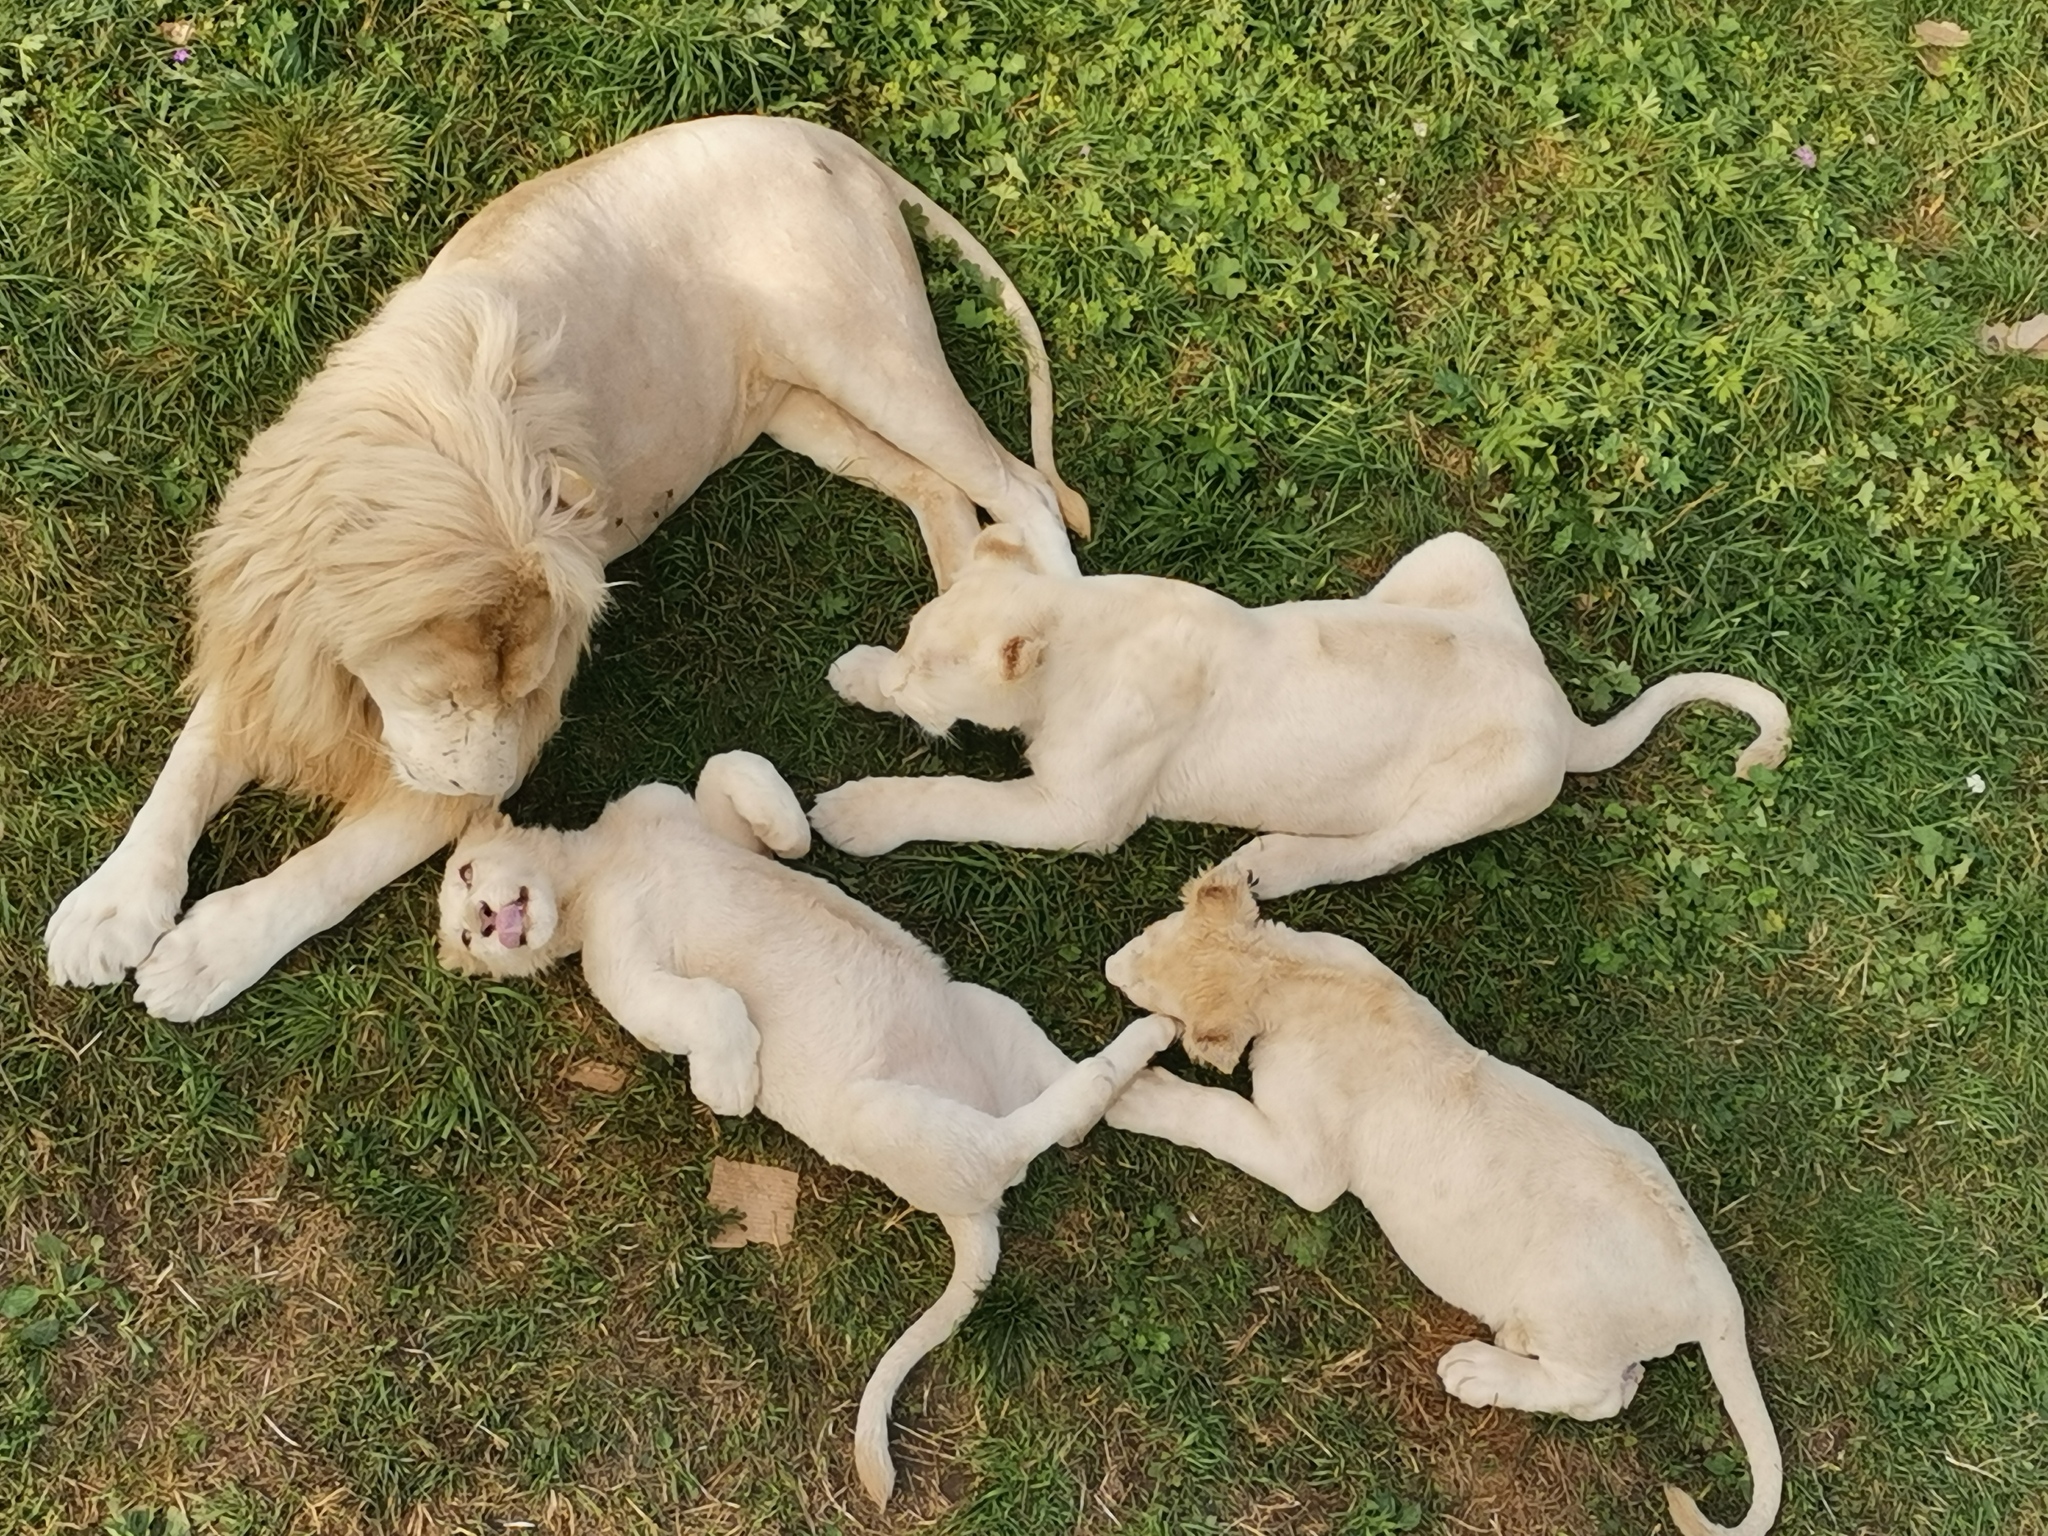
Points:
(403, 574)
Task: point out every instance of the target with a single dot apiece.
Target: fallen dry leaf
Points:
(764, 1197)
(2030, 336)
(1940, 34)
(597, 1076)
(178, 33)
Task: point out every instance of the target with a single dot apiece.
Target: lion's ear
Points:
(1019, 656)
(1221, 895)
(572, 488)
(1000, 544)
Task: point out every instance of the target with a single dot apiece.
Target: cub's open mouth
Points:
(507, 922)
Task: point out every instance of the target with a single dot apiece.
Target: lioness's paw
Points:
(109, 923)
(859, 818)
(857, 676)
(218, 952)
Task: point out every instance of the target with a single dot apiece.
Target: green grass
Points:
(1319, 280)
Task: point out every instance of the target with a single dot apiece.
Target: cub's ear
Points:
(1019, 656)
(484, 823)
(1000, 544)
(1221, 895)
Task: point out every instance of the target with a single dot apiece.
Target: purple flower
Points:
(1805, 156)
(180, 55)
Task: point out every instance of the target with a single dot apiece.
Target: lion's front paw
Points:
(857, 676)
(110, 922)
(219, 951)
(860, 818)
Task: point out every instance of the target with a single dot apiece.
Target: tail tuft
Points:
(1073, 510)
(1686, 1515)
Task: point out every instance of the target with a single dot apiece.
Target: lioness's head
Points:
(974, 652)
(504, 910)
(1194, 967)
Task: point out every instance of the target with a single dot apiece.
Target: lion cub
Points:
(1558, 1229)
(1358, 735)
(786, 992)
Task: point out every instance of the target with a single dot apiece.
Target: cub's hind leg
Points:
(1452, 570)
(950, 1158)
(1487, 1376)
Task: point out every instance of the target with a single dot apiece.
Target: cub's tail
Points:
(1073, 510)
(1602, 746)
(977, 1244)
(1735, 1377)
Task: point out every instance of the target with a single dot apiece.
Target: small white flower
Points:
(1421, 127)
(1975, 784)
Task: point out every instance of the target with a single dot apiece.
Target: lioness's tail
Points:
(1735, 1377)
(977, 1244)
(1602, 746)
(1073, 510)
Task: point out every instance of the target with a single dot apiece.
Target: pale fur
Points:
(786, 993)
(1359, 735)
(403, 574)
(1560, 1230)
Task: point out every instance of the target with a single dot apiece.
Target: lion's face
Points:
(1192, 967)
(500, 909)
(457, 696)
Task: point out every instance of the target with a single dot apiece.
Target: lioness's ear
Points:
(1221, 895)
(1000, 544)
(1019, 655)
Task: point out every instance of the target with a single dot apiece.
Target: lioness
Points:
(404, 572)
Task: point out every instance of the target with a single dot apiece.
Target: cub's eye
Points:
(465, 938)
(465, 872)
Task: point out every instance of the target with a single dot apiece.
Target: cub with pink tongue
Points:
(781, 988)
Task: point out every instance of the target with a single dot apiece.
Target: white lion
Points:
(1358, 735)
(784, 991)
(1561, 1231)
(405, 570)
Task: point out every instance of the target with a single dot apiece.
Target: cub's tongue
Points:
(510, 923)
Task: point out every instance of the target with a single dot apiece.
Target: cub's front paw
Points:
(1146, 1104)
(857, 676)
(109, 923)
(218, 952)
(725, 1069)
(725, 1082)
(860, 818)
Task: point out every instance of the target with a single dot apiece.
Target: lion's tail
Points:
(1734, 1376)
(977, 1244)
(1597, 747)
(1073, 510)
